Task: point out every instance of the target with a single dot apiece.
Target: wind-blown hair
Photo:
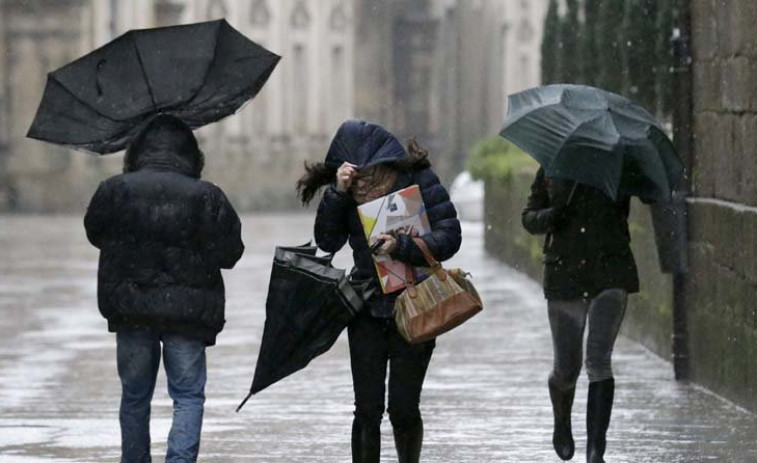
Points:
(167, 142)
(318, 175)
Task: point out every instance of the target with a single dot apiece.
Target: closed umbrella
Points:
(309, 304)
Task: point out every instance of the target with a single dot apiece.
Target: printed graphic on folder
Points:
(400, 212)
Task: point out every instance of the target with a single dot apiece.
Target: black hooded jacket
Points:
(163, 236)
(337, 221)
(587, 249)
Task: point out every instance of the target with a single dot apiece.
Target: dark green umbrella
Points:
(594, 137)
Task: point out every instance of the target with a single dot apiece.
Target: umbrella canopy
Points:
(199, 73)
(594, 137)
(309, 304)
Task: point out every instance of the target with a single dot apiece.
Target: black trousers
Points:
(375, 344)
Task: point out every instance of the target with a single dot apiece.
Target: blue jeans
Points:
(138, 362)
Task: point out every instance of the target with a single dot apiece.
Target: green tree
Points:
(589, 42)
(550, 46)
(664, 58)
(610, 52)
(640, 57)
(570, 36)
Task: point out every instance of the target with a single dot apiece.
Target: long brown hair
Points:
(318, 175)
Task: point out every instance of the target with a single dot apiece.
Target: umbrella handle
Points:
(570, 196)
(376, 246)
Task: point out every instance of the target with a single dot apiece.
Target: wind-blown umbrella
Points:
(198, 72)
(309, 304)
(594, 137)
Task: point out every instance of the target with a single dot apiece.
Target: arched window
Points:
(259, 110)
(300, 15)
(301, 88)
(217, 9)
(338, 99)
(113, 21)
(338, 20)
(260, 14)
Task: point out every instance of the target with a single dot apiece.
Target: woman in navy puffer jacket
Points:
(366, 162)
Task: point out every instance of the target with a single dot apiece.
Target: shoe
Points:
(366, 442)
(409, 442)
(562, 404)
(598, 412)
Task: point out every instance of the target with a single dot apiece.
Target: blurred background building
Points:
(439, 70)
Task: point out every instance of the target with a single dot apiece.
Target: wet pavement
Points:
(485, 398)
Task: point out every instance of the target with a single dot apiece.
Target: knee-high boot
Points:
(409, 441)
(598, 412)
(562, 404)
(366, 441)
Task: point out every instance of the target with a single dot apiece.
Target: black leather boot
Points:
(366, 442)
(562, 404)
(598, 411)
(409, 441)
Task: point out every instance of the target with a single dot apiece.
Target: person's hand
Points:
(390, 244)
(344, 176)
(558, 191)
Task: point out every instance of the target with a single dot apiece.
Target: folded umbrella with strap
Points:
(309, 304)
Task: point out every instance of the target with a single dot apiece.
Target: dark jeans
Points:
(138, 362)
(374, 344)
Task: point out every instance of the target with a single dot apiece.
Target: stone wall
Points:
(719, 289)
(722, 284)
(649, 319)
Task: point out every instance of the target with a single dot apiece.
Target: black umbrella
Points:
(594, 137)
(198, 72)
(309, 304)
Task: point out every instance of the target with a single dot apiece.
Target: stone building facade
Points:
(261, 150)
(37, 36)
(436, 69)
(441, 69)
(256, 155)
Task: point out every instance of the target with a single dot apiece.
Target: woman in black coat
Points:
(164, 235)
(366, 162)
(589, 271)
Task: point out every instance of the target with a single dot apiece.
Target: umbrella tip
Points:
(244, 401)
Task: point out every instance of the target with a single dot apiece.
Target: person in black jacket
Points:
(163, 236)
(589, 271)
(366, 162)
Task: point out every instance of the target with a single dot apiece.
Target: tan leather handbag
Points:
(437, 304)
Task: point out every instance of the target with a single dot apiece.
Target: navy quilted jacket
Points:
(337, 221)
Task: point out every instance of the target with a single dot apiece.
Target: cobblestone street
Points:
(485, 398)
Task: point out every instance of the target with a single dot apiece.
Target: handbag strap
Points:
(410, 282)
(435, 265)
(426, 252)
